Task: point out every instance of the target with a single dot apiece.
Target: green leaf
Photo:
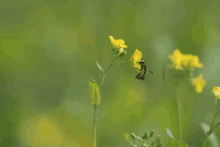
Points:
(212, 138)
(94, 93)
(169, 133)
(173, 142)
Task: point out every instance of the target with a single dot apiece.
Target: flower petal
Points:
(199, 83)
(136, 57)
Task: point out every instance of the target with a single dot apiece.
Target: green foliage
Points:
(210, 135)
(143, 140)
(173, 142)
(146, 136)
(47, 49)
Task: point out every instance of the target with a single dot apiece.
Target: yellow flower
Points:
(216, 91)
(136, 57)
(179, 61)
(191, 61)
(176, 59)
(117, 43)
(199, 83)
(195, 62)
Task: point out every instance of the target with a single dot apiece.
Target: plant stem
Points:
(214, 119)
(179, 120)
(179, 116)
(103, 79)
(120, 62)
(204, 143)
(94, 127)
(215, 127)
(95, 108)
(211, 128)
(109, 67)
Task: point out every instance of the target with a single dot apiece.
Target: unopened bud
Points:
(139, 138)
(151, 133)
(133, 135)
(146, 136)
(121, 54)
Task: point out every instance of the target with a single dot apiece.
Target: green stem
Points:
(179, 116)
(103, 79)
(204, 143)
(216, 101)
(110, 65)
(214, 119)
(120, 62)
(108, 68)
(94, 126)
(211, 128)
(215, 127)
(95, 108)
(179, 120)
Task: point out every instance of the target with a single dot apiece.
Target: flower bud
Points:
(133, 135)
(146, 136)
(151, 133)
(121, 54)
(139, 138)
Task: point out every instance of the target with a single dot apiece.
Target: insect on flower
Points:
(144, 70)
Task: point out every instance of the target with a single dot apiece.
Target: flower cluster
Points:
(189, 61)
(118, 49)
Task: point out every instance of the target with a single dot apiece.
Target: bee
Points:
(144, 70)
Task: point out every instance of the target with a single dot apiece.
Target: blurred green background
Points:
(48, 51)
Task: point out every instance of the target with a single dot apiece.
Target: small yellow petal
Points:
(117, 44)
(124, 46)
(199, 83)
(111, 38)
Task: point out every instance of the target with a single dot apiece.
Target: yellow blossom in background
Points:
(216, 91)
(195, 62)
(176, 59)
(199, 83)
(189, 61)
(118, 46)
(136, 57)
(186, 60)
